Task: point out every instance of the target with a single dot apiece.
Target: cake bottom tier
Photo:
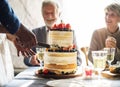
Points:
(61, 69)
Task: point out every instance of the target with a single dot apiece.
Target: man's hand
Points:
(26, 37)
(25, 41)
(34, 60)
(24, 51)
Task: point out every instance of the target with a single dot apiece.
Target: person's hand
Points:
(26, 37)
(34, 61)
(24, 51)
(110, 42)
(25, 41)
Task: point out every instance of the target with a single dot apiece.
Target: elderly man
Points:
(50, 13)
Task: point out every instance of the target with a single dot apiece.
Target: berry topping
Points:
(74, 46)
(68, 26)
(61, 26)
(54, 26)
(45, 71)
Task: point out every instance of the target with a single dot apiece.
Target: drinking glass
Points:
(40, 55)
(110, 54)
(99, 61)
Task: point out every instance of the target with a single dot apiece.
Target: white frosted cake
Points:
(61, 58)
(61, 38)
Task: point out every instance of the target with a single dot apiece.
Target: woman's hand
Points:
(110, 42)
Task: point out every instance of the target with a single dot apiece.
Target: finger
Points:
(27, 53)
(31, 52)
(18, 53)
(113, 45)
(24, 53)
(110, 45)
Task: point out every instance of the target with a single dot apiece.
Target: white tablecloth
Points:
(28, 78)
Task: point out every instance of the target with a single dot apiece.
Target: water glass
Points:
(99, 61)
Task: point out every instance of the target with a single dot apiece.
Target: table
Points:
(27, 78)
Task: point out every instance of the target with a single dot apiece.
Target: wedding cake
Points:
(61, 57)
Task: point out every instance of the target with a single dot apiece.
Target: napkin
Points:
(6, 66)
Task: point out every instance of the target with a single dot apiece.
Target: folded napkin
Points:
(6, 66)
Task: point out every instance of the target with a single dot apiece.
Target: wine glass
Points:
(40, 55)
(110, 54)
(99, 61)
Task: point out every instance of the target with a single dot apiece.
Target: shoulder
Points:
(38, 29)
(98, 31)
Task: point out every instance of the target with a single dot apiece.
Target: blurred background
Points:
(84, 16)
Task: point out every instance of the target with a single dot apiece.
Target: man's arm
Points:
(25, 39)
(8, 18)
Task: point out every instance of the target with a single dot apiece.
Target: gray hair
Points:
(115, 7)
(51, 2)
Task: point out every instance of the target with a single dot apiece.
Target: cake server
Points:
(43, 45)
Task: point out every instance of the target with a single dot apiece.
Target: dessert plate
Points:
(110, 75)
(78, 73)
(65, 83)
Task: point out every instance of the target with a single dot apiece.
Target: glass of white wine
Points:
(99, 61)
(40, 55)
(110, 54)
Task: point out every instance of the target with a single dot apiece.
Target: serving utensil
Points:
(85, 50)
(43, 45)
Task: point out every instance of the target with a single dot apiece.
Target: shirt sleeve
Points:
(8, 17)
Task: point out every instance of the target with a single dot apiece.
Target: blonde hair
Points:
(114, 7)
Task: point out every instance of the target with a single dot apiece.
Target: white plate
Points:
(63, 83)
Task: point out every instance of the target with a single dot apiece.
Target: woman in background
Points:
(99, 38)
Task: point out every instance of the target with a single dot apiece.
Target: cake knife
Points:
(43, 44)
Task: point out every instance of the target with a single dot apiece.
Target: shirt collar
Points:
(113, 34)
